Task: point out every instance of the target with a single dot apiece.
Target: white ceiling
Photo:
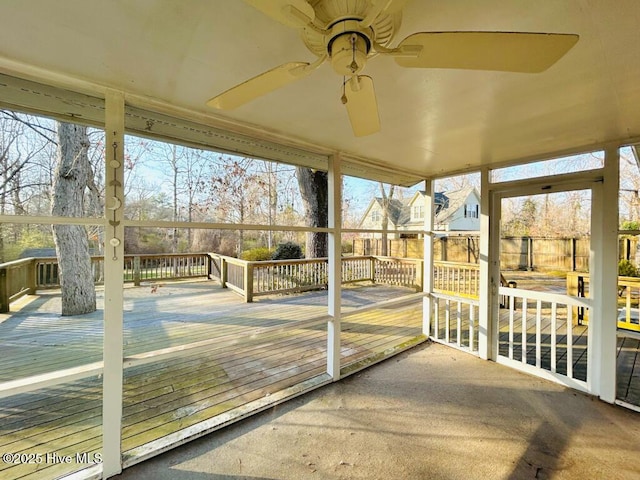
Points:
(183, 52)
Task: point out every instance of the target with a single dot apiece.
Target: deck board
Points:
(254, 351)
(628, 379)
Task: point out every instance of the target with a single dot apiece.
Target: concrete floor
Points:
(430, 413)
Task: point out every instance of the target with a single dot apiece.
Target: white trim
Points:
(630, 406)
(112, 393)
(453, 298)
(334, 179)
(546, 374)
(546, 297)
(427, 271)
(601, 361)
(489, 267)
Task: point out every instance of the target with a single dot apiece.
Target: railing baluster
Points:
(570, 343)
(524, 330)
(459, 324)
(538, 333)
(472, 321)
(554, 324)
(436, 316)
(511, 327)
(447, 317)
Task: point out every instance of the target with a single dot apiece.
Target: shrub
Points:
(626, 269)
(256, 254)
(288, 251)
(347, 247)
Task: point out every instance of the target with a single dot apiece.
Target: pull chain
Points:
(354, 64)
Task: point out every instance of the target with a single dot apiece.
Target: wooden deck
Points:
(628, 374)
(251, 352)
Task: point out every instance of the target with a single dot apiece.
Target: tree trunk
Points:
(314, 190)
(72, 245)
(386, 202)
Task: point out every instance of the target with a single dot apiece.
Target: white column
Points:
(601, 361)
(489, 267)
(427, 273)
(335, 266)
(113, 284)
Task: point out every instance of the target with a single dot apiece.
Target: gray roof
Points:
(445, 204)
(38, 252)
(454, 200)
(396, 209)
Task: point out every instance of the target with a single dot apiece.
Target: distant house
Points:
(455, 211)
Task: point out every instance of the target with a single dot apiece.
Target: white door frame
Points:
(603, 184)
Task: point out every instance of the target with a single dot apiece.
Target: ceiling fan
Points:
(350, 33)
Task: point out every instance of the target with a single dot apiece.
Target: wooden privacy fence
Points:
(516, 253)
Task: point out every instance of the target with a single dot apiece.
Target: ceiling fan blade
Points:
(500, 51)
(260, 85)
(362, 106)
(293, 13)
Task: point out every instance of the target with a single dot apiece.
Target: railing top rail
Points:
(622, 281)
(397, 259)
(456, 298)
(545, 297)
(232, 260)
(300, 261)
(55, 259)
(17, 263)
(456, 264)
(161, 255)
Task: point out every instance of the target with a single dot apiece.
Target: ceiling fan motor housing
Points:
(348, 45)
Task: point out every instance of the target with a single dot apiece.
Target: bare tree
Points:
(315, 198)
(72, 247)
(235, 193)
(25, 143)
(386, 204)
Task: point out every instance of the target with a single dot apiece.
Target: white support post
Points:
(335, 266)
(601, 359)
(427, 274)
(489, 265)
(113, 285)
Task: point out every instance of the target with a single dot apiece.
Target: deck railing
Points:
(252, 279)
(25, 276)
(453, 278)
(628, 300)
(541, 334)
(16, 280)
(249, 279)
